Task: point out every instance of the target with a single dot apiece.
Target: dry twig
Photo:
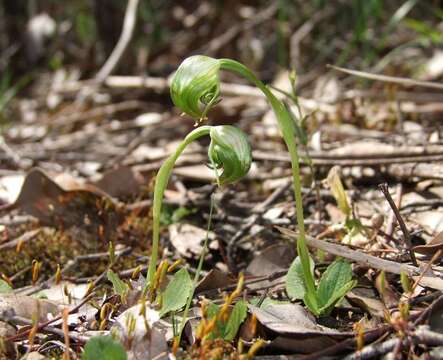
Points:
(391, 79)
(125, 37)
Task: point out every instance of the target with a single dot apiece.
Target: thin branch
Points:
(19, 320)
(391, 79)
(433, 282)
(123, 41)
(406, 236)
(375, 350)
(421, 336)
(345, 345)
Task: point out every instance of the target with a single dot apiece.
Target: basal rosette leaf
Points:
(295, 283)
(335, 282)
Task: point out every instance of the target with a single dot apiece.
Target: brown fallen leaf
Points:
(367, 300)
(84, 207)
(28, 307)
(273, 259)
(121, 182)
(296, 329)
(431, 247)
(214, 279)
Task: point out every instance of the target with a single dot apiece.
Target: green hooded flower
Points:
(195, 86)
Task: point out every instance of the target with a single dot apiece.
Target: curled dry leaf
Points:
(121, 182)
(296, 329)
(431, 247)
(86, 208)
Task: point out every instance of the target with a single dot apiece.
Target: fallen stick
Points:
(392, 79)
(432, 282)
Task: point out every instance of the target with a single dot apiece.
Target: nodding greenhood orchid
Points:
(195, 88)
(229, 152)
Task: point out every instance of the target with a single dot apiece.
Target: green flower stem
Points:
(287, 130)
(198, 271)
(161, 181)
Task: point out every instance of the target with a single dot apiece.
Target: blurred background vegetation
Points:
(42, 36)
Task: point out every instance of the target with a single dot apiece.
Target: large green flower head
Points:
(195, 86)
(229, 150)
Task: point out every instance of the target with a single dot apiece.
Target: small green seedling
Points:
(352, 226)
(226, 329)
(120, 287)
(224, 321)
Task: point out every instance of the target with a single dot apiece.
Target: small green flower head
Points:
(229, 150)
(195, 86)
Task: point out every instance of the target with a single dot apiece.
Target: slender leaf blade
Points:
(120, 287)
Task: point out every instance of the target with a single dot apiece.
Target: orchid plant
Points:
(195, 89)
(229, 151)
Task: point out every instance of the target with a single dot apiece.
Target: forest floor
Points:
(79, 156)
